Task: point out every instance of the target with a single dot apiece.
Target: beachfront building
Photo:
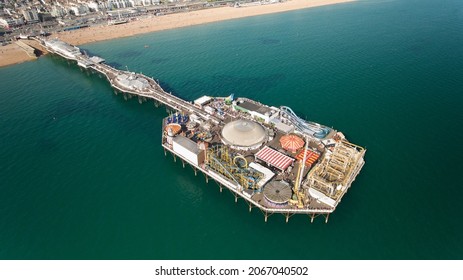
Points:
(93, 6)
(145, 3)
(58, 11)
(120, 4)
(30, 15)
(44, 17)
(9, 22)
(80, 10)
(102, 5)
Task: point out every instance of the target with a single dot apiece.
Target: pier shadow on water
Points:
(37, 52)
(115, 65)
(167, 87)
(88, 52)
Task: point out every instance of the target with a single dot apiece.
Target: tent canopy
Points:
(291, 142)
(274, 158)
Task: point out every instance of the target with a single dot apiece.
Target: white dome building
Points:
(244, 134)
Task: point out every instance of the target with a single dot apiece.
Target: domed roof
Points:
(277, 192)
(243, 133)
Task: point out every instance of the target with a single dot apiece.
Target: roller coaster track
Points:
(304, 126)
(217, 161)
(242, 176)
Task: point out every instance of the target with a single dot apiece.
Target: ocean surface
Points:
(83, 174)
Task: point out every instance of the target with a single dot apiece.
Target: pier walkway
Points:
(125, 81)
(146, 87)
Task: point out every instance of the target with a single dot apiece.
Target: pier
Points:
(255, 151)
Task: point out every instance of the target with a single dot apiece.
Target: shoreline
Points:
(12, 54)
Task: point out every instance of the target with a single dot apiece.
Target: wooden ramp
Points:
(25, 47)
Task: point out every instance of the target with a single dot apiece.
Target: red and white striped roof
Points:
(274, 158)
(310, 158)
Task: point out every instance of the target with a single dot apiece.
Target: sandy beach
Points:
(11, 54)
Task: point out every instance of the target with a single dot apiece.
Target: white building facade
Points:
(30, 15)
(8, 22)
(120, 4)
(58, 11)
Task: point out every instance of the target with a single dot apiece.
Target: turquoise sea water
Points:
(83, 175)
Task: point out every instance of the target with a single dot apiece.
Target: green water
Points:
(83, 175)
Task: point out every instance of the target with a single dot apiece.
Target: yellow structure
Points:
(220, 160)
(337, 169)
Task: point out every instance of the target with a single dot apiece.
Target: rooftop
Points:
(243, 133)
